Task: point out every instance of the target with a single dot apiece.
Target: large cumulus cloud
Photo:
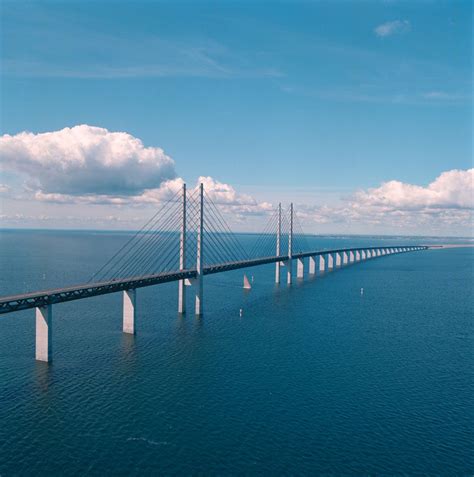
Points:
(444, 205)
(451, 189)
(86, 160)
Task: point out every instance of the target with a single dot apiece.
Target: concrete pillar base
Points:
(299, 268)
(322, 263)
(312, 266)
(44, 330)
(129, 311)
(181, 297)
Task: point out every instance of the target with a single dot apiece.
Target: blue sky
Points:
(312, 100)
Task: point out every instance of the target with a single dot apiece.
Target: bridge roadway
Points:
(37, 299)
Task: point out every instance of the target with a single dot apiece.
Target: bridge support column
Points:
(182, 257)
(289, 266)
(378, 252)
(357, 256)
(299, 268)
(129, 311)
(338, 259)
(330, 261)
(278, 241)
(198, 305)
(345, 259)
(44, 330)
(322, 263)
(312, 266)
(351, 256)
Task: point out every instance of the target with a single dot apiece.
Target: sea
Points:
(317, 378)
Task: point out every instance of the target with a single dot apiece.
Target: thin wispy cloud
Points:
(392, 28)
(99, 55)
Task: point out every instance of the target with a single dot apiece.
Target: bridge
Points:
(187, 239)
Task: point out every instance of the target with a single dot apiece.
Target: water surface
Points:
(312, 379)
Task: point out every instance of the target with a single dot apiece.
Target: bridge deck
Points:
(59, 295)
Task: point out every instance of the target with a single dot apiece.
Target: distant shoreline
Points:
(452, 245)
(324, 235)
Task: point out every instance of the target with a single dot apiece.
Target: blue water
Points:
(311, 379)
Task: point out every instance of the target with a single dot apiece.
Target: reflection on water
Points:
(43, 375)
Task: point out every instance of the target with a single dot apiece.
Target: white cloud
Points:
(390, 28)
(445, 205)
(86, 160)
(94, 171)
(224, 196)
(452, 189)
(86, 165)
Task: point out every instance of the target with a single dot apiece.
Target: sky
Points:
(360, 112)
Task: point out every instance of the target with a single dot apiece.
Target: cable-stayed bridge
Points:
(187, 239)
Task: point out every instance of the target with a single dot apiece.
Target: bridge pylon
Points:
(182, 257)
(198, 281)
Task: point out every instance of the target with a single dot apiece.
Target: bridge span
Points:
(318, 262)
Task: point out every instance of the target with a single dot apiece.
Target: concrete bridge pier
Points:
(44, 330)
(278, 241)
(357, 256)
(289, 271)
(330, 259)
(338, 259)
(322, 263)
(312, 266)
(351, 257)
(378, 252)
(129, 311)
(300, 268)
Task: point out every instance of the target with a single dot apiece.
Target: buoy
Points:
(240, 313)
(361, 291)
